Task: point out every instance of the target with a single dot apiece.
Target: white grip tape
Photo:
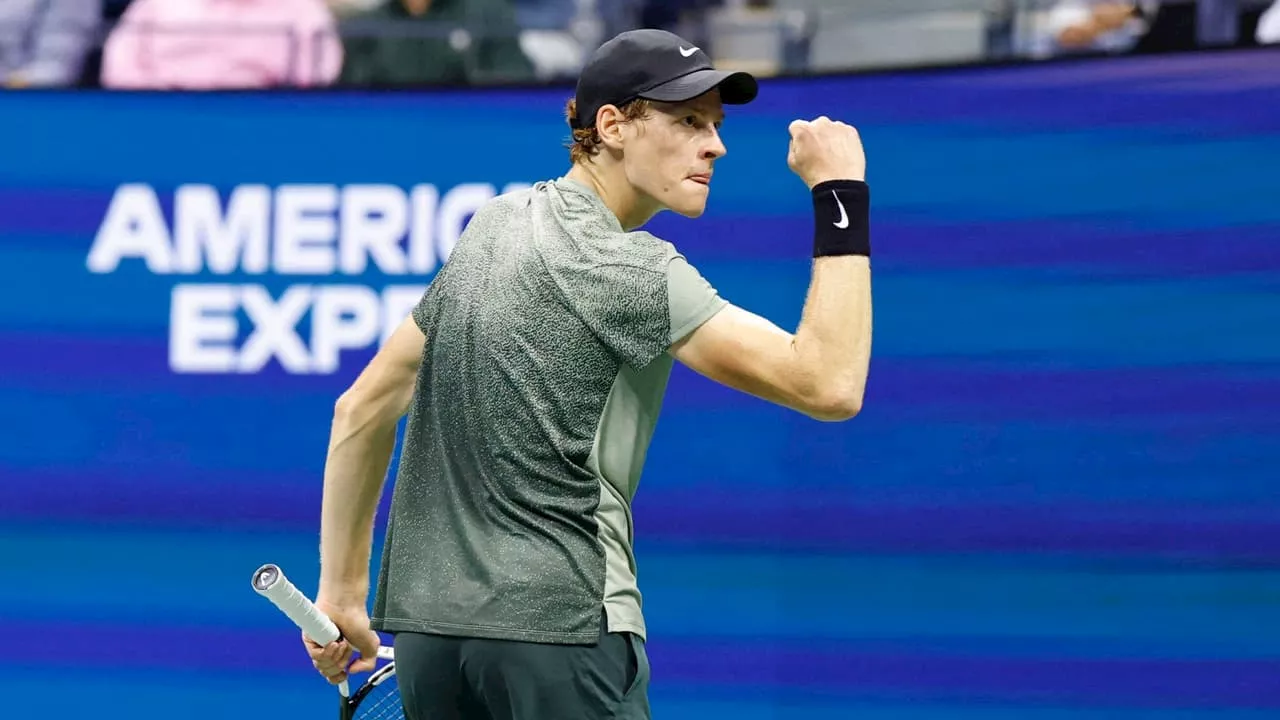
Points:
(269, 581)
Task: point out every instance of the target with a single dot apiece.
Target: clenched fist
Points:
(823, 150)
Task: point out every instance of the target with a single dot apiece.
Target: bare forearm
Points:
(821, 369)
(360, 451)
(833, 342)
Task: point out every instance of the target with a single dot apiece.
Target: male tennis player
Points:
(532, 372)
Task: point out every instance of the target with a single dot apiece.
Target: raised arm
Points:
(821, 369)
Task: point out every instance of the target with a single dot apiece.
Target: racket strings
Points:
(382, 703)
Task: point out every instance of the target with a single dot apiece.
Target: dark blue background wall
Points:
(1060, 501)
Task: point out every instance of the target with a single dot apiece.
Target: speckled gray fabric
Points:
(539, 390)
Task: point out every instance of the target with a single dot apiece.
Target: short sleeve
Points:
(427, 307)
(618, 284)
(625, 306)
(640, 311)
(424, 311)
(691, 300)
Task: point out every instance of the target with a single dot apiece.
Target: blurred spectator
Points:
(1268, 32)
(428, 42)
(43, 43)
(673, 14)
(546, 14)
(1095, 25)
(114, 9)
(1147, 26)
(548, 37)
(344, 8)
(1166, 26)
(222, 44)
(616, 16)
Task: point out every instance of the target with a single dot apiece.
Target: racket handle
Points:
(270, 582)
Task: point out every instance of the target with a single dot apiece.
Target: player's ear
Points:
(609, 123)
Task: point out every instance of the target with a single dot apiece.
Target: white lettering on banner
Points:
(133, 228)
(273, 335)
(203, 237)
(305, 230)
(204, 327)
(344, 316)
(374, 218)
(291, 230)
(315, 230)
(422, 235)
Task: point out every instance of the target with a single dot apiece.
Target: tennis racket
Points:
(379, 697)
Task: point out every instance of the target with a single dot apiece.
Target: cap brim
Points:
(736, 88)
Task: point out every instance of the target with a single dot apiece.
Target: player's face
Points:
(671, 153)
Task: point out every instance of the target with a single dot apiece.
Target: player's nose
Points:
(715, 146)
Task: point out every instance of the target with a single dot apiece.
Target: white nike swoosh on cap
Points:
(689, 52)
(844, 216)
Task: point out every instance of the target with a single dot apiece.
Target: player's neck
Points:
(610, 183)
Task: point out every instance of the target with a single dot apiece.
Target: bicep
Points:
(386, 384)
(744, 351)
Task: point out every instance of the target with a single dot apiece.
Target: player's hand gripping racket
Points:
(378, 698)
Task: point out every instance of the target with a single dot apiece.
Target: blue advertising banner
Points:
(1059, 501)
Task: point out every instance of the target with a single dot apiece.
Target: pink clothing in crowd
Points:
(222, 44)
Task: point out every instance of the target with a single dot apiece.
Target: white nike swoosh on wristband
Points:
(844, 216)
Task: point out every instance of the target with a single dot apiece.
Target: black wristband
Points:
(841, 218)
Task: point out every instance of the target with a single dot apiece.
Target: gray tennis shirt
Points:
(544, 371)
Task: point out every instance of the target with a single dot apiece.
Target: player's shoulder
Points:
(654, 252)
(577, 226)
(641, 249)
(511, 201)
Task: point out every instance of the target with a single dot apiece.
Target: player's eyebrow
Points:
(716, 116)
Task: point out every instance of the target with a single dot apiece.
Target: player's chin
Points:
(692, 206)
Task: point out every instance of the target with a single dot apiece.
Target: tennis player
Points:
(532, 372)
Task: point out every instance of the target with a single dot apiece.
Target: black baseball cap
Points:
(653, 65)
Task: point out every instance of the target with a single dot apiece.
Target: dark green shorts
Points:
(455, 678)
